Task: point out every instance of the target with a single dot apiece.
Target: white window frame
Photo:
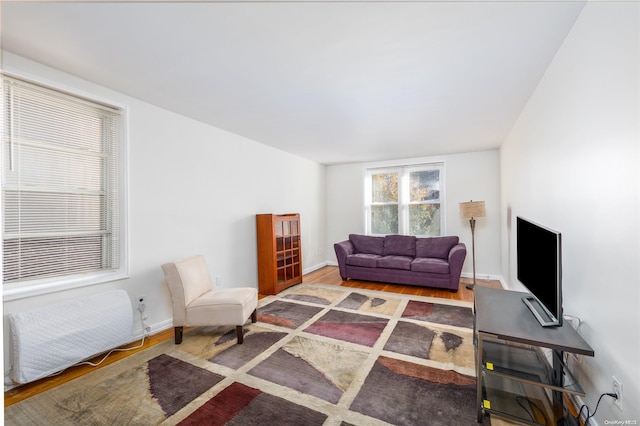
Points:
(403, 194)
(35, 287)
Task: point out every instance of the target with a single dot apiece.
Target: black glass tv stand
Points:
(520, 371)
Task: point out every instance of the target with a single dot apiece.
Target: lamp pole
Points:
(472, 222)
(471, 210)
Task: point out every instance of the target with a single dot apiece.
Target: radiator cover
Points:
(54, 337)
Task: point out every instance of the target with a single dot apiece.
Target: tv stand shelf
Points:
(526, 364)
(517, 401)
(515, 379)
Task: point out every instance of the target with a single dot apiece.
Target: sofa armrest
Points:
(343, 249)
(457, 254)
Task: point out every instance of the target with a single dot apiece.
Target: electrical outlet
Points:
(141, 300)
(218, 281)
(617, 389)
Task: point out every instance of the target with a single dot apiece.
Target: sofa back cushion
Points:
(435, 247)
(399, 245)
(367, 244)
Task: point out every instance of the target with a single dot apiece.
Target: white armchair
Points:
(196, 303)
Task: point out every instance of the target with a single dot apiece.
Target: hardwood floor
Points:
(330, 275)
(327, 275)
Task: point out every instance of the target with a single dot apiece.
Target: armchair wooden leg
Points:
(254, 316)
(178, 335)
(240, 334)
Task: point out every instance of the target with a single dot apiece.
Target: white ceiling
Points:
(334, 82)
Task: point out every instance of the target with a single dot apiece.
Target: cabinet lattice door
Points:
(279, 252)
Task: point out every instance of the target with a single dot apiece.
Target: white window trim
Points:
(40, 287)
(403, 194)
(23, 290)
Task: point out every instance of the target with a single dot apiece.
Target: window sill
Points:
(37, 288)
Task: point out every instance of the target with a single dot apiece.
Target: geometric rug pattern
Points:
(318, 355)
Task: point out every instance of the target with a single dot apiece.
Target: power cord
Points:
(611, 394)
(110, 352)
(146, 329)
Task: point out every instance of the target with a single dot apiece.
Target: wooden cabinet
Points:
(279, 252)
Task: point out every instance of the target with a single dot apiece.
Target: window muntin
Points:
(62, 173)
(404, 200)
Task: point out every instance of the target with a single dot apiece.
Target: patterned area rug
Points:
(318, 355)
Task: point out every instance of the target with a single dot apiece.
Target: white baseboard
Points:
(154, 328)
(315, 268)
(485, 277)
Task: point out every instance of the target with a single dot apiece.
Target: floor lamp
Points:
(470, 210)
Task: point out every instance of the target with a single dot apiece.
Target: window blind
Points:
(60, 183)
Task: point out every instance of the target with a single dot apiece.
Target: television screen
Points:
(539, 269)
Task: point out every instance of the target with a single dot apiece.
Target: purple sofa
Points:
(402, 259)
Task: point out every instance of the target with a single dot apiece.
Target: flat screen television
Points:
(539, 269)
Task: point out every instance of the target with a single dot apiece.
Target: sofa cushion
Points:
(363, 259)
(399, 245)
(395, 262)
(432, 265)
(437, 247)
(367, 243)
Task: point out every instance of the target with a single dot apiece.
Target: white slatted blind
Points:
(60, 183)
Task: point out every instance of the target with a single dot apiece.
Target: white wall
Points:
(571, 163)
(194, 189)
(467, 176)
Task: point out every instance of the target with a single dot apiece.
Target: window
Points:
(404, 200)
(62, 186)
